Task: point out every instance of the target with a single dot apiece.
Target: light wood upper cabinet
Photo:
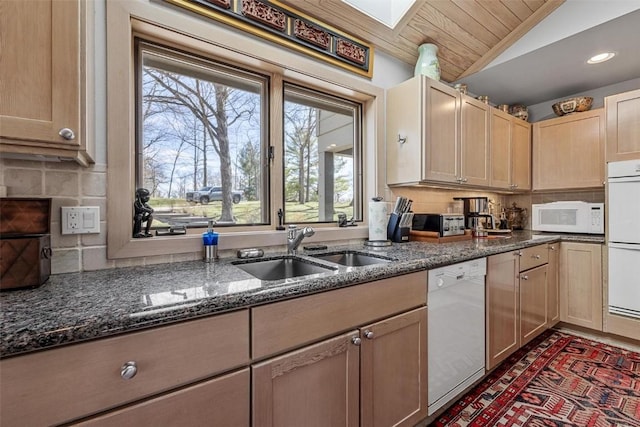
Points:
(42, 78)
(436, 134)
(568, 152)
(510, 152)
(475, 121)
(623, 126)
(581, 284)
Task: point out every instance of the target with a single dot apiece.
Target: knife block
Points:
(395, 233)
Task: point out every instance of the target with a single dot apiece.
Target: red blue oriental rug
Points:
(557, 380)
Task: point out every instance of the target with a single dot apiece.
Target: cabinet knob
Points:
(525, 277)
(519, 253)
(464, 179)
(402, 139)
(535, 256)
(67, 134)
(129, 370)
(356, 340)
(368, 334)
(552, 248)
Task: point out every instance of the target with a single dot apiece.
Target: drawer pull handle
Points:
(67, 134)
(129, 370)
(356, 340)
(368, 334)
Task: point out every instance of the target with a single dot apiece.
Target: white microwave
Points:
(568, 217)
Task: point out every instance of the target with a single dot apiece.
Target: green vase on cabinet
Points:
(427, 63)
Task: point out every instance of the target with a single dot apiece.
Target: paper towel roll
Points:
(377, 220)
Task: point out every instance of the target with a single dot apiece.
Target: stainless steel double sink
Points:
(286, 267)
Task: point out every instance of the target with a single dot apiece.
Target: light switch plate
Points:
(80, 219)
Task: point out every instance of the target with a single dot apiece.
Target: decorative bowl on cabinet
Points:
(572, 105)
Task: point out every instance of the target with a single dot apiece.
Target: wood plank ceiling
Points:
(469, 33)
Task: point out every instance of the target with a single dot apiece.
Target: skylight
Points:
(388, 12)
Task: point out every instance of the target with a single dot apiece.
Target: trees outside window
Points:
(202, 146)
(202, 125)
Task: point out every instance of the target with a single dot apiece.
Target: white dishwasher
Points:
(456, 335)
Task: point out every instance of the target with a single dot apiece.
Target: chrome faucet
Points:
(295, 236)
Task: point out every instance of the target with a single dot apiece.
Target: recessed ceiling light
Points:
(601, 57)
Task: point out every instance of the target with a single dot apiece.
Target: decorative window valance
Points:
(284, 25)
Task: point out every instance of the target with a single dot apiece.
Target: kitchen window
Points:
(321, 157)
(201, 140)
(144, 151)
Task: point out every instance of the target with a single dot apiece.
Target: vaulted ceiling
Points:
(468, 33)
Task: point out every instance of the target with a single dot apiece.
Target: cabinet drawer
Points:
(62, 384)
(221, 401)
(284, 325)
(534, 257)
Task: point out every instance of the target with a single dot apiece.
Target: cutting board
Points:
(434, 237)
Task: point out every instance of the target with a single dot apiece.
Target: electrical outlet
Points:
(80, 219)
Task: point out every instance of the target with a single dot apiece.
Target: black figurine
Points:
(143, 213)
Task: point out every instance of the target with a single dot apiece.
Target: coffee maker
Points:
(476, 213)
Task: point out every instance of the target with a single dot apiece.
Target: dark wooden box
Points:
(25, 261)
(25, 243)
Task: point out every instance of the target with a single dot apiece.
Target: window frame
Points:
(158, 23)
(204, 67)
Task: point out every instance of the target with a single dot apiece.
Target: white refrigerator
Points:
(623, 241)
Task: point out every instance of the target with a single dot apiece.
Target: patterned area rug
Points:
(556, 380)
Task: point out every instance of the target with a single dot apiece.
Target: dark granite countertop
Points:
(75, 307)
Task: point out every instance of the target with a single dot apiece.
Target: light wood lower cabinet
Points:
(373, 376)
(516, 300)
(222, 401)
(553, 285)
(75, 381)
(581, 284)
(393, 370)
(533, 303)
(315, 386)
(502, 307)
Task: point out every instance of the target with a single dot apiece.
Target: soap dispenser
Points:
(210, 242)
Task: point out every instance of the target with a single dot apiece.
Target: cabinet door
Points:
(442, 142)
(502, 307)
(623, 126)
(533, 303)
(222, 401)
(393, 370)
(500, 149)
(315, 386)
(568, 152)
(40, 90)
(404, 132)
(581, 284)
(520, 155)
(553, 288)
(474, 141)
